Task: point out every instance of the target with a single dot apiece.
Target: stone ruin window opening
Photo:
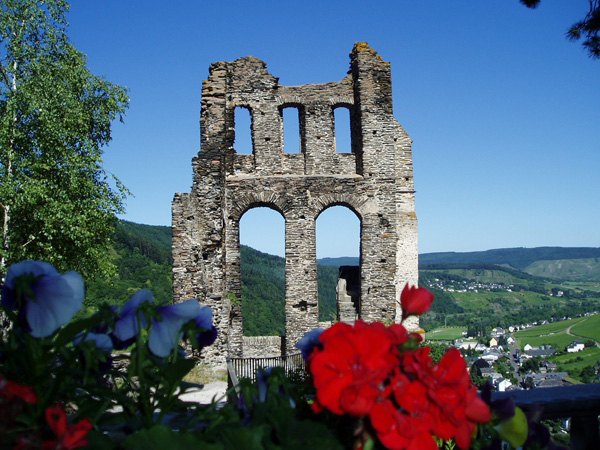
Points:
(338, 231)
(292, 137)
(263, 307)
(242, 142)
(343, 139)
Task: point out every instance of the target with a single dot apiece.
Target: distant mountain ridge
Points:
(567, 263)
(517, 258)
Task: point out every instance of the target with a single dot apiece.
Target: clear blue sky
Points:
(504, 112)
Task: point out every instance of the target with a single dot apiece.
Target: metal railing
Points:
(246, 368)
(580, 402)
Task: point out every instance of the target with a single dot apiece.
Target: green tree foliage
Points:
(586, 29)
(142, 255)
(588, 374)
(263, 293)
(57, 202)
(328, 278)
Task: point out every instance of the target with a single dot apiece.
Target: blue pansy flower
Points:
(45, 298)
(166, 333)
(102, 341)
(204, 320)
(309, 341)
(127, 326)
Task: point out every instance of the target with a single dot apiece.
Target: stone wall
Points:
(262, 346)
(375, 181)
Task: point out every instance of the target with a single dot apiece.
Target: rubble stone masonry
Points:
(375, 181)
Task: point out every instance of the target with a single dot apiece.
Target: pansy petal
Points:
(140, 296)
(186, 311)
(309, 341)
(35, 268)
(204, 318)
(57, 300)
(102, 341)
(163, 337)
(127, 326)
(165, 334)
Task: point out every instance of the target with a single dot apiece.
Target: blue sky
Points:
(502, 109)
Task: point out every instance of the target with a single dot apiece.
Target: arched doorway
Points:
(338, 246)
(262, 247)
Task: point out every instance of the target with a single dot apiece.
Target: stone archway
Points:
(375, 179)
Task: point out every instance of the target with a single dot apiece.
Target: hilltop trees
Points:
(57, 203)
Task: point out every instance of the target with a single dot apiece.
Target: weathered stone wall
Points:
(262, 346)
(375, 181)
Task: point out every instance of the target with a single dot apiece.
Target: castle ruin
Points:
(374, 180)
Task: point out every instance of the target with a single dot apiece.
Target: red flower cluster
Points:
(367, 371)
(67, 438)
(11, 390)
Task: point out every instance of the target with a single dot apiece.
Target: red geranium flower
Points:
(348, 372)
(10, 390)
(68, 437)
(415, 301)
(398, 431)
(367, 371)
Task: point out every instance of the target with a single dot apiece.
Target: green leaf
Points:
(160, 437)
(514, 430)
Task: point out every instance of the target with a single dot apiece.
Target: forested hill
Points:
(566, 263)
(518, 258)
(142, 254)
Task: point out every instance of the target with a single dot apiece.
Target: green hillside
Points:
(341, 261)
(142, 254)
(517, 258)
(486, 296)
(477, 295)
(584, 269)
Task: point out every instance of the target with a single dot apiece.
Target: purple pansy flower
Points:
(103, 341)
(309, 341)
(204, 320)
(128, 326)
(166, 333)
(45, 298)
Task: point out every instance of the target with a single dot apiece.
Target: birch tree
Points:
(57, 203)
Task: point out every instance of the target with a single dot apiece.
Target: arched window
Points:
(338, 244)
(262, 247)
(343, 140)
(291, 129)
(243, 130)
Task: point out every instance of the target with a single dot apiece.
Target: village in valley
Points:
(509, 362)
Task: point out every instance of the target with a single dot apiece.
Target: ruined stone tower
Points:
(375, 181)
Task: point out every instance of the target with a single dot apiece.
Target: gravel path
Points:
(206, 393)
